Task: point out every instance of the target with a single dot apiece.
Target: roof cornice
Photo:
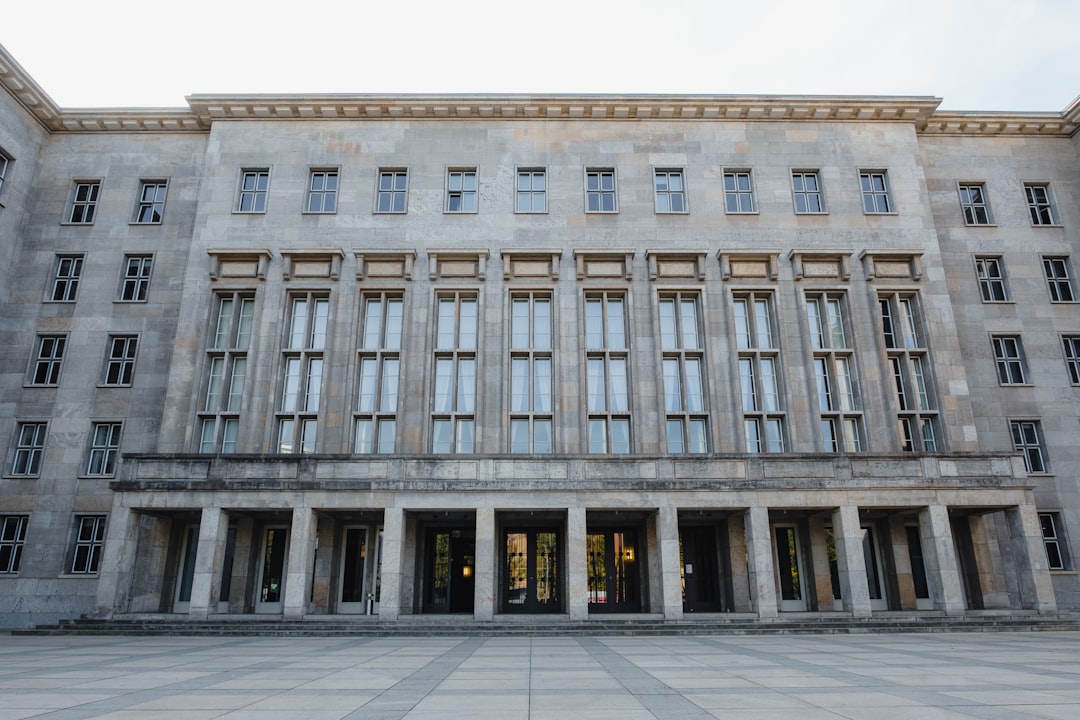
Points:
(1062, 124)
(26, 91)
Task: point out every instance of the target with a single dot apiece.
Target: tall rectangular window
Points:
(1053, 541)
(683, 370)
(150, 206)
(531, 192)
(461, 190)
(974, 204)
(29, 447)
(120, 360)
(226, 370)
(322, 191)
(380, 370)
(1041, 204)
(670, 191)
(875, 192)
(89, 540)
(991, 274)
(600, 190)
(738, 192)
(806, 189)
(5, 163)
(84, 202)
(607, 367)
(393, 192)
(1028, 441)
(453, 417)
(254, 187)
(1009, 356)
(45, 368)
(834, 372)
(1071, 346)
(759, 373)
(136, 280)
(301, 384)
(104, 448)
(12, 537)
(66, 274)
(531, 412)
(1059, 279)
(909, 362)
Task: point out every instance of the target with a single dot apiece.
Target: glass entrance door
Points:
(354, 554)
(701, 570)
(612, 557)
(918, 568)
(531, 571)
(792, 597)
(872, 559)
(449, 559)
(185, 574)
(271, 588)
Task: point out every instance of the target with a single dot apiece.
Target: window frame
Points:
(1008, 350)
(525, 402)
(124, 365)
(600, 172)
(735, 173)
(1028, 447)
(458, 409)
(228, 344)
(1055, 539)
(1042, 212)
(601, 404)
(325, 173)
(836, 371)
(298, 405)
(970, 207)
(12, 540)
(103, 452)
(885, 193)
(85, 208)
(988, 282)
(463, 193)
(914, 391)
(531, 194)
(819, 193)
(1059, 284)
(382, 347)
(52, 363)
(668, 193)
(66, 285)
(94, 545)
(142, 204)
(138, 283)
(6, 161)
(259, 197)
(1070, 347)
(31, 450)
(393, 192)
(682, 348)
(755, 386)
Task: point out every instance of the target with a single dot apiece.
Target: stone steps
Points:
(544, 627)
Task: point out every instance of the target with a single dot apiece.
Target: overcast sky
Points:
(1018, 55)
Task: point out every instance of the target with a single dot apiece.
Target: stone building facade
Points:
(502, 355)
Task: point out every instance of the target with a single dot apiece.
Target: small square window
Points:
(120, 362)
(1053, 540)
(84, 202)
(670, 191)
(806, 189)
(1041, 204)
(136, 280)
(461, 190)
(392, 194)
(254, 186)
(875, 192)
(29, 447)
(991, 274)
(1028, 441)
(150, 207)
(738, 192)
(45, 368)
(1071, 346)
(66, 274)
(12, 537)
(1059, 279)
(322, 192)
(89, 540)
(974, 204)
(531, 191)
(1009, 356)
(104, 448)
(600, 190)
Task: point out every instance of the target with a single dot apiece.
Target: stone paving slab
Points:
(938, 676)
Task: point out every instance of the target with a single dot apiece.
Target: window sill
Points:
(811, 214)
(77, 576)
(76, 224)
(144, 224)
(1047, 225)
(248, 212)
(980, 225)
(1064, 572)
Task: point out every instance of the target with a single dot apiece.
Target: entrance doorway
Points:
(874, 575)
(449, 566)
(788, 568)
(359, 572)
(918, 568)
(531, 570)
(271, 589)
(701, 567)
(614, 579)
(185, 575)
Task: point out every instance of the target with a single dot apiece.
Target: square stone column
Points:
(577, 564)
(209, 556)
(851, 561)
(820, 573)
(901, 557)
(939, 555)
(760, 562)
(392, 543)
(1029, 559)
(300, 563)
(667, 531)
(117, 561)
(484, 563)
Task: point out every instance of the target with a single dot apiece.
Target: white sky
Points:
(1018, 55)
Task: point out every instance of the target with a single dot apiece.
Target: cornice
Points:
(1062, 124)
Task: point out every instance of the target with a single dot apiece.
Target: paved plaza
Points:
(807, 677)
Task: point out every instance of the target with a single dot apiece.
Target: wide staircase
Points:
(535, 626)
